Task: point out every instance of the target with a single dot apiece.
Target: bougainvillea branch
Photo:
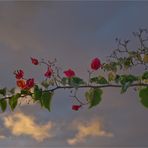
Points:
(120, 60)
(83, 86)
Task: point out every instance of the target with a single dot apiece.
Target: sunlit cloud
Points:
(85, 130)
(2, 137)
(21, 124)
(24, 100)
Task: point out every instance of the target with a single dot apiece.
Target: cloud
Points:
(24, 100)
(21, 124)
(2, 132)
(2, 137)
(92, 128)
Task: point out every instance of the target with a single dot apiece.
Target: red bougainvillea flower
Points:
(48, 73)
(34, 61)
(21, 83)
(76, 107)
(25, 84)
(95, 64)
(69, 73)
(29, 83)
(19, 74)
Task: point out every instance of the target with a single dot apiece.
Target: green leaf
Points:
(126, 81)
(106, 67)
(102, 80)
(37, 93)
(131, 78)
(99, 80)
(145, 75)
(3, 105)
(46, 99)
(12, 90)
(125, 86)
(25, 92)
(13, 101)
(93, 96)
(145, 58)
(113, 66)
(87, 94)
(111, 76)
(117, 79)
(94, 80)
(127, 78)
(123, 79)
(65, 81)
(3, 91)
(127, 63)
(76, 81)
(143, 94)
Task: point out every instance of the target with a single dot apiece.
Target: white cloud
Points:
(92, 128)
(21, 124)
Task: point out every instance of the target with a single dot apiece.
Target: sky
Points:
(74, 33)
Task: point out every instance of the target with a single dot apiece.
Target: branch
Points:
(83, 86)
(96, 86)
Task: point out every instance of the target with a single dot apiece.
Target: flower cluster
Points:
(69, 73)
(95, 65)
(27, 84)
(48, 73)
(34, 61)
(21, 82)
(76, 107)
(19, 74)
